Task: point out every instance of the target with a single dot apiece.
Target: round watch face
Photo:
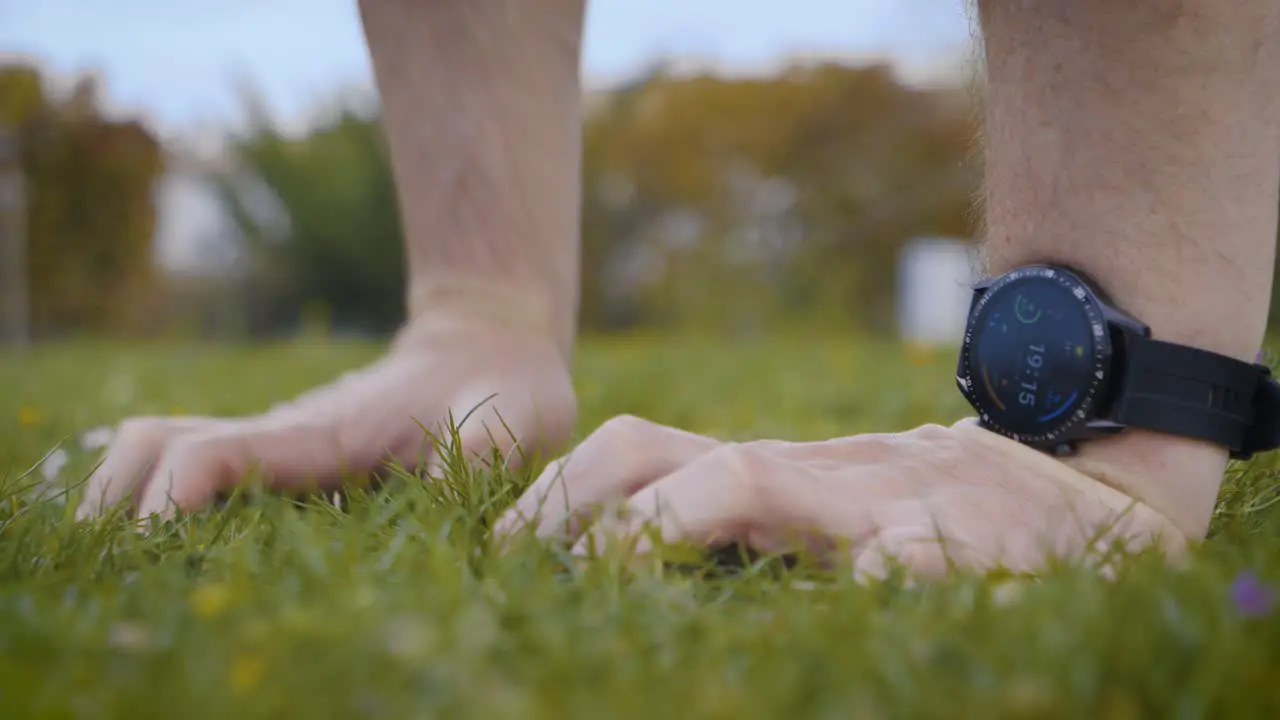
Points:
(1036, 354)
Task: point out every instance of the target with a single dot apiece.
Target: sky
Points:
(179, 65)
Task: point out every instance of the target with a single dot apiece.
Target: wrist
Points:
(1174, 478)
(1177, 477)
(438, 304)
(1051, 361)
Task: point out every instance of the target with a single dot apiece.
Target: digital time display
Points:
(1035, 354)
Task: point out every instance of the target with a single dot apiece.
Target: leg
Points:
(480, 105)
(1139, 142)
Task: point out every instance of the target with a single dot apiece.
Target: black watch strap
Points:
(1195, 393)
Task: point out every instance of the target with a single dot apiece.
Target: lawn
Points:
(393, 605)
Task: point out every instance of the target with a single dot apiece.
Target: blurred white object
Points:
(934, 280)
(53, 464)
(96, 438)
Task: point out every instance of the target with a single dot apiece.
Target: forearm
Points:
(1139, 143)
(480, 103)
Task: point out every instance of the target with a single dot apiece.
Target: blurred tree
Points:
(803, 186)
(340, 255)
(91, 218)
(21, 94)
(708, 202)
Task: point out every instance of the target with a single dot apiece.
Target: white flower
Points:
(98, 437)
(53, 464)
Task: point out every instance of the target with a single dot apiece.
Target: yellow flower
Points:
(210, 600)
(246, 672)
(28, 416)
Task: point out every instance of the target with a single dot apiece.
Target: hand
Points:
(355, 424)
(889, 497)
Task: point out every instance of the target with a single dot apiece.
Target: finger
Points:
(623, 456)
(917, 549)
(915, 531)
(131, 455)
(749, 494)
(193, 469)
(713, 499)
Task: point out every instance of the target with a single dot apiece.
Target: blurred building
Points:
(934, 280)
(193, 230)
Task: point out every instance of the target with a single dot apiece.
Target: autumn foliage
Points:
(785, 197)
(90, 213)
(709, 203)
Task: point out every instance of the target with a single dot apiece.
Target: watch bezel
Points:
(1076, 423)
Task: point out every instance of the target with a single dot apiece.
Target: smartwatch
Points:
(1049, 361)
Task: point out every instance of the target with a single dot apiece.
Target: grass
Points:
(394, 606)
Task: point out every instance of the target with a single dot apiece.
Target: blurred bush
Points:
(90, 218)
(337, 257)
(709, 203)
(741, 203)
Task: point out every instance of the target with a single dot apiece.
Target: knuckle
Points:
(739, 466)
(930, 432)
(173, 456)
(138, 427)
(766, 445)
(142, 431)
(755, 452)
(621, 428)
(732, 454)
(880, 448)
(739, 461)
(184, 450)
